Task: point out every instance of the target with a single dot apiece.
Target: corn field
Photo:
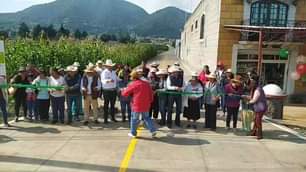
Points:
(46, 54)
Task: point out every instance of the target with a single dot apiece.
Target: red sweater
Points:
(202, 77)
(142, 95)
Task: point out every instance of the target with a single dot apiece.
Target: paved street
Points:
(43, 147)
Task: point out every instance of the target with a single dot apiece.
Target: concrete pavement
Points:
(44, 147)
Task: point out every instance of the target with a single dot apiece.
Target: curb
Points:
(284, 128)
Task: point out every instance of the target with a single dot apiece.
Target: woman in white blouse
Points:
(192, 112)
(57, 96)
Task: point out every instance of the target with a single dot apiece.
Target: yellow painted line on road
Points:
(129, 152)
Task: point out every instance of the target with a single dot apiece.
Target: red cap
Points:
(220, 63)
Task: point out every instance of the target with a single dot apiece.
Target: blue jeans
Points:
(73, 102)
(163, 102)
(125, 108)
(80, 108)
(135, 121)
(3, 109)
(58, 108)
(31, 107)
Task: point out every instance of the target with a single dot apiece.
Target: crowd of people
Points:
(146, 93)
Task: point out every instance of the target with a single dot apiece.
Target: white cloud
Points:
(153, 5)
(148, 5)
(17, 5)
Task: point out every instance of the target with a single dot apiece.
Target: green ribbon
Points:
(184, 93)
(31, 86)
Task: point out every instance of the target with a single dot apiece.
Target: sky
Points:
(149, 5)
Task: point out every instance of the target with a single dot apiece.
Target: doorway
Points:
(274, 73)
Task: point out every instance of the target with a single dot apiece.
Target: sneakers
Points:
(131, 135)
(7, 125)
(97, 122)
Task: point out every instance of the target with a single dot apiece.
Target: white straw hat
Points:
(109, 63)
(76, 64)
(71, 69)
(162, 72)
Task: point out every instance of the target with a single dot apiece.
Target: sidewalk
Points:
(295, 116)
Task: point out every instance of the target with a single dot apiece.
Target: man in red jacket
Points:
(142, 97)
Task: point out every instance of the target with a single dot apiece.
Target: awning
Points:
(265, 28)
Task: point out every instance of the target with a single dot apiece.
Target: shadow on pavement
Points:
(177, 140)
(5, 139)
(36, 130)
(282, 136)
(62, 164)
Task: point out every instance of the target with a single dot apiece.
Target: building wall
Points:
(300, 87)
(231, 14)
(197, 52)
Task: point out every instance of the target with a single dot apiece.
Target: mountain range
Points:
(100, 16)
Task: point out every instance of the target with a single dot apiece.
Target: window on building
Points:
(196, 24)
(269, 13)
(202, 26)
(191, 28)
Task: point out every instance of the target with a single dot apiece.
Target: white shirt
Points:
(57, 82)
(197, 89)
(90, 79)
(170, 87)
(99, 70)
(109, 79)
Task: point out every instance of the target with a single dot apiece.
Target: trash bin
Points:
(275, 97)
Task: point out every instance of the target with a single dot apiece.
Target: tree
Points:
(105, 37)
(84, 35)
(124, 37)
(36, 32)
(51, 32)
(23, 30)
(113, 37)
(63, 32)
(4, 35)
(77, 34)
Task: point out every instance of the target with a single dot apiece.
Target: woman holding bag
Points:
(259, 102)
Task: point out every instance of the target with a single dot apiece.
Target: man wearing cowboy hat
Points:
(91, 87)
(142, 95)
(99, 67)
(175, 84)
(109, 80)
(162, 98)
(20, 93)
(153, 69)
(154, 82)
(73, 93)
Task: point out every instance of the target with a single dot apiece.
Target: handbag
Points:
(247, 119)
